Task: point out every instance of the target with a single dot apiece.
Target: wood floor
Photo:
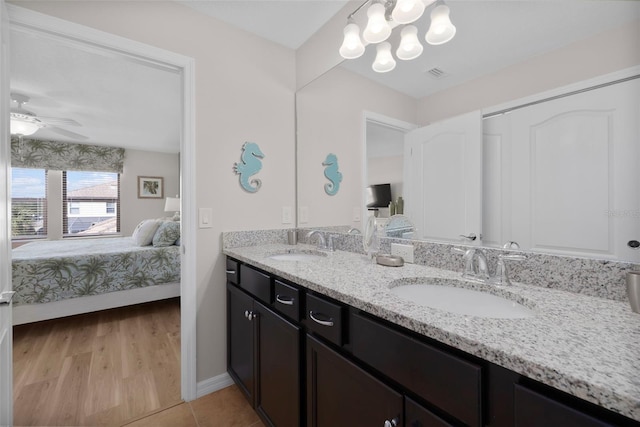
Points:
(100, 368)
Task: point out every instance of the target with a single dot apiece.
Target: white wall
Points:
(146, 163)
(244, 92)
(333, 122)
(592, 57)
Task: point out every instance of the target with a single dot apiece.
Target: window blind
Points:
(91, 203)
(28, 203)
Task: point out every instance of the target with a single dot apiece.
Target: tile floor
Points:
(224, 408)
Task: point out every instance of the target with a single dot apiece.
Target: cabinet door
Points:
(278, 397)
(240, 340)
(535, 410)
(341, 394)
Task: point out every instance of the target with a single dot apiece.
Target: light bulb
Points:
(410, 46)
(352, 46)
(378, 29)
(384, 60)
(441, 29)
(24, 128)
(407, 11)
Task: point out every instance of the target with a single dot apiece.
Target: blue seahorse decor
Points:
(251, 165)
(332, 174)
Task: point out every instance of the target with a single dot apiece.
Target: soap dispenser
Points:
(400, 206)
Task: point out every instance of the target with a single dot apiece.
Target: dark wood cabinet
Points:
(303, 359)
(339, 393)
(241, 340)
(533, 409)
(278, 368)
(264, 351)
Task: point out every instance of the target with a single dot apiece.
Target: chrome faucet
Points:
(323, 244)
(501, 276)
(475, 264)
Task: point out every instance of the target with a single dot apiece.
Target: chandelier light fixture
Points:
(383, 16)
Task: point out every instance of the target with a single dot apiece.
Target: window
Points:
(90, 203)
(28, 203)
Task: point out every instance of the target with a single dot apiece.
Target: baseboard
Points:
(213, 384)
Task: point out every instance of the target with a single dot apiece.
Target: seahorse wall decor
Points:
(332, 174)
(251, 165)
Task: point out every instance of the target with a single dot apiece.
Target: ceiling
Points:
(286, 22)
(126, 102)
(492, 35)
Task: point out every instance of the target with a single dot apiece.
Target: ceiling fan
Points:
(24, 122)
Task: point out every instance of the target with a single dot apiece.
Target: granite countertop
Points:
(586, 346)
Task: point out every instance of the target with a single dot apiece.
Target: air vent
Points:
(437, 73)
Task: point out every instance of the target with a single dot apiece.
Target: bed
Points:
(56, 278)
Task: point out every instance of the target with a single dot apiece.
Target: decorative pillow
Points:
(144, 232)
(167, 234)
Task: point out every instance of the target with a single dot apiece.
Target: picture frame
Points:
(150, 187)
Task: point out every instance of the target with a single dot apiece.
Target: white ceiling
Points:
(286, 22)
(118, 100)
(124, 102)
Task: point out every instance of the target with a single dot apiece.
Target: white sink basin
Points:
(297, 256)
(445, 295)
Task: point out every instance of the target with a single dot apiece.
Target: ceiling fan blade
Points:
(67, 133)
(58, 121)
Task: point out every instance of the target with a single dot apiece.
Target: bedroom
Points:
(81, 187)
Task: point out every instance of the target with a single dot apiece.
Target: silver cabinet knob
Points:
(392, 423)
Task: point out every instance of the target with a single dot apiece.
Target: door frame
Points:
(69, 31)
(381, 119)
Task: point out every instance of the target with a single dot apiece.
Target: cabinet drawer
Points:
(286, 299)
(418, 416)
(533, 409)
(233, 272)
(256, 283)
(324, 318)
(446, 381)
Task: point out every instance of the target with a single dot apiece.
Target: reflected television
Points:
(379, 196)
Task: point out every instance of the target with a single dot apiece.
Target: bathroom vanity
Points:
(322, 341)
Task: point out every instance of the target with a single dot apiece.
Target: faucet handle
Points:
(501, 276)
(455, 250)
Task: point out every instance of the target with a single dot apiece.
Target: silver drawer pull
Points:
(5, 297)
(231, 272)
(284, 301)
(392, 423)
(321, 322)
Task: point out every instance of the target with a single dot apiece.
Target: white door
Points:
(6, 353)
(443, 179)
(575, 174)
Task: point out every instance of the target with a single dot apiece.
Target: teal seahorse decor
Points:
(251, 165)
(332, 174)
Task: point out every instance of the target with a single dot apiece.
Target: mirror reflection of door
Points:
(443, 179)
(570, 172)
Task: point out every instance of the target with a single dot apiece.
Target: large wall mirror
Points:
(481, 137)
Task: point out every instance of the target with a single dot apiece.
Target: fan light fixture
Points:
(22, 127)
(383, 16)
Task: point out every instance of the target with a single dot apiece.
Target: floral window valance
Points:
(55, 155)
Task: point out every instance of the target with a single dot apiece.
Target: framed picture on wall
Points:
(150, 187)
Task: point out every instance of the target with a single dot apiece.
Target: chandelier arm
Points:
(357, 9)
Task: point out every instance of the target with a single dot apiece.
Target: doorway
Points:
(88, 38)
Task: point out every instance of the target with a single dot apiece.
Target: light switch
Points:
(205, 217)
(286, 214)
(304, 214)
